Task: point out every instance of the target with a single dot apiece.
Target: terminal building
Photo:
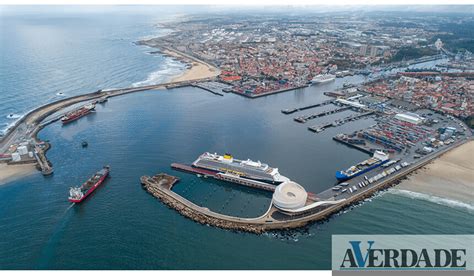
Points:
(291, 198)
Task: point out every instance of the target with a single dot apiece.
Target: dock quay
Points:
(43, 162)
(274, 218)
(225, 177)
(179, 85)
(208, 86)
(252, 96)
(213, 86)
(304, 119)
(339, 122)
(320, 128)
(189, 169)
(296, 109)
(347, 142)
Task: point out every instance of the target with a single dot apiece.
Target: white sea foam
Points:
(60, 94)
(435, 199)
(6, 126)
(109, 89)
(171, 68)
(13, 116)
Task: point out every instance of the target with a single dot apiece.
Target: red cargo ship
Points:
(78, 113)
(78, 194)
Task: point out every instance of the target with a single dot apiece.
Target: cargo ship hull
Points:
(343, 177)
(72, 119)
(76, 114)
(88, 188)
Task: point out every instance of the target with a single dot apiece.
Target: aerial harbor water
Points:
(139, 134)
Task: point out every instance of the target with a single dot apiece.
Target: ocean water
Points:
(121, 226)
(49, 55)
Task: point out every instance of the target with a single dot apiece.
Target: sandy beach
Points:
(11, 172)
(199, 70)
(449, 177)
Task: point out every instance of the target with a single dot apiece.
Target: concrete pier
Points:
(225, 177)
(320, 128)
(273, 218)
(296, 109)
(304, 119)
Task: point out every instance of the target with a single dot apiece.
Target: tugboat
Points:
(78, 194)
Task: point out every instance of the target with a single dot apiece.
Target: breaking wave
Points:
(6, 126)
(13, 116)
(171, 68)
(110, 89)
(435, 199)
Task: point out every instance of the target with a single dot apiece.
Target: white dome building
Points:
(289, 196)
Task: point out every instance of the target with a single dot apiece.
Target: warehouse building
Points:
(410, 118)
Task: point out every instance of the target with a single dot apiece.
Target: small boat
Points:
(84, 144)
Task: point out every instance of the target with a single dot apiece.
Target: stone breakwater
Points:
(273, 219)
(202, 215)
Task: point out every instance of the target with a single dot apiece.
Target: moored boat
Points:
(78, 113)
(323, 78)
(377, 160)
(244, 168)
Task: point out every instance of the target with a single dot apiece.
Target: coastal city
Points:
(397, 89)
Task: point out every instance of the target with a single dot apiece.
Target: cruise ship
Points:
(244, 168)
(323, 78)
(375, 161)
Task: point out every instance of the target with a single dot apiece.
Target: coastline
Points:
(29, 125)
(9, 173)
(451, 176)
(198, 70)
